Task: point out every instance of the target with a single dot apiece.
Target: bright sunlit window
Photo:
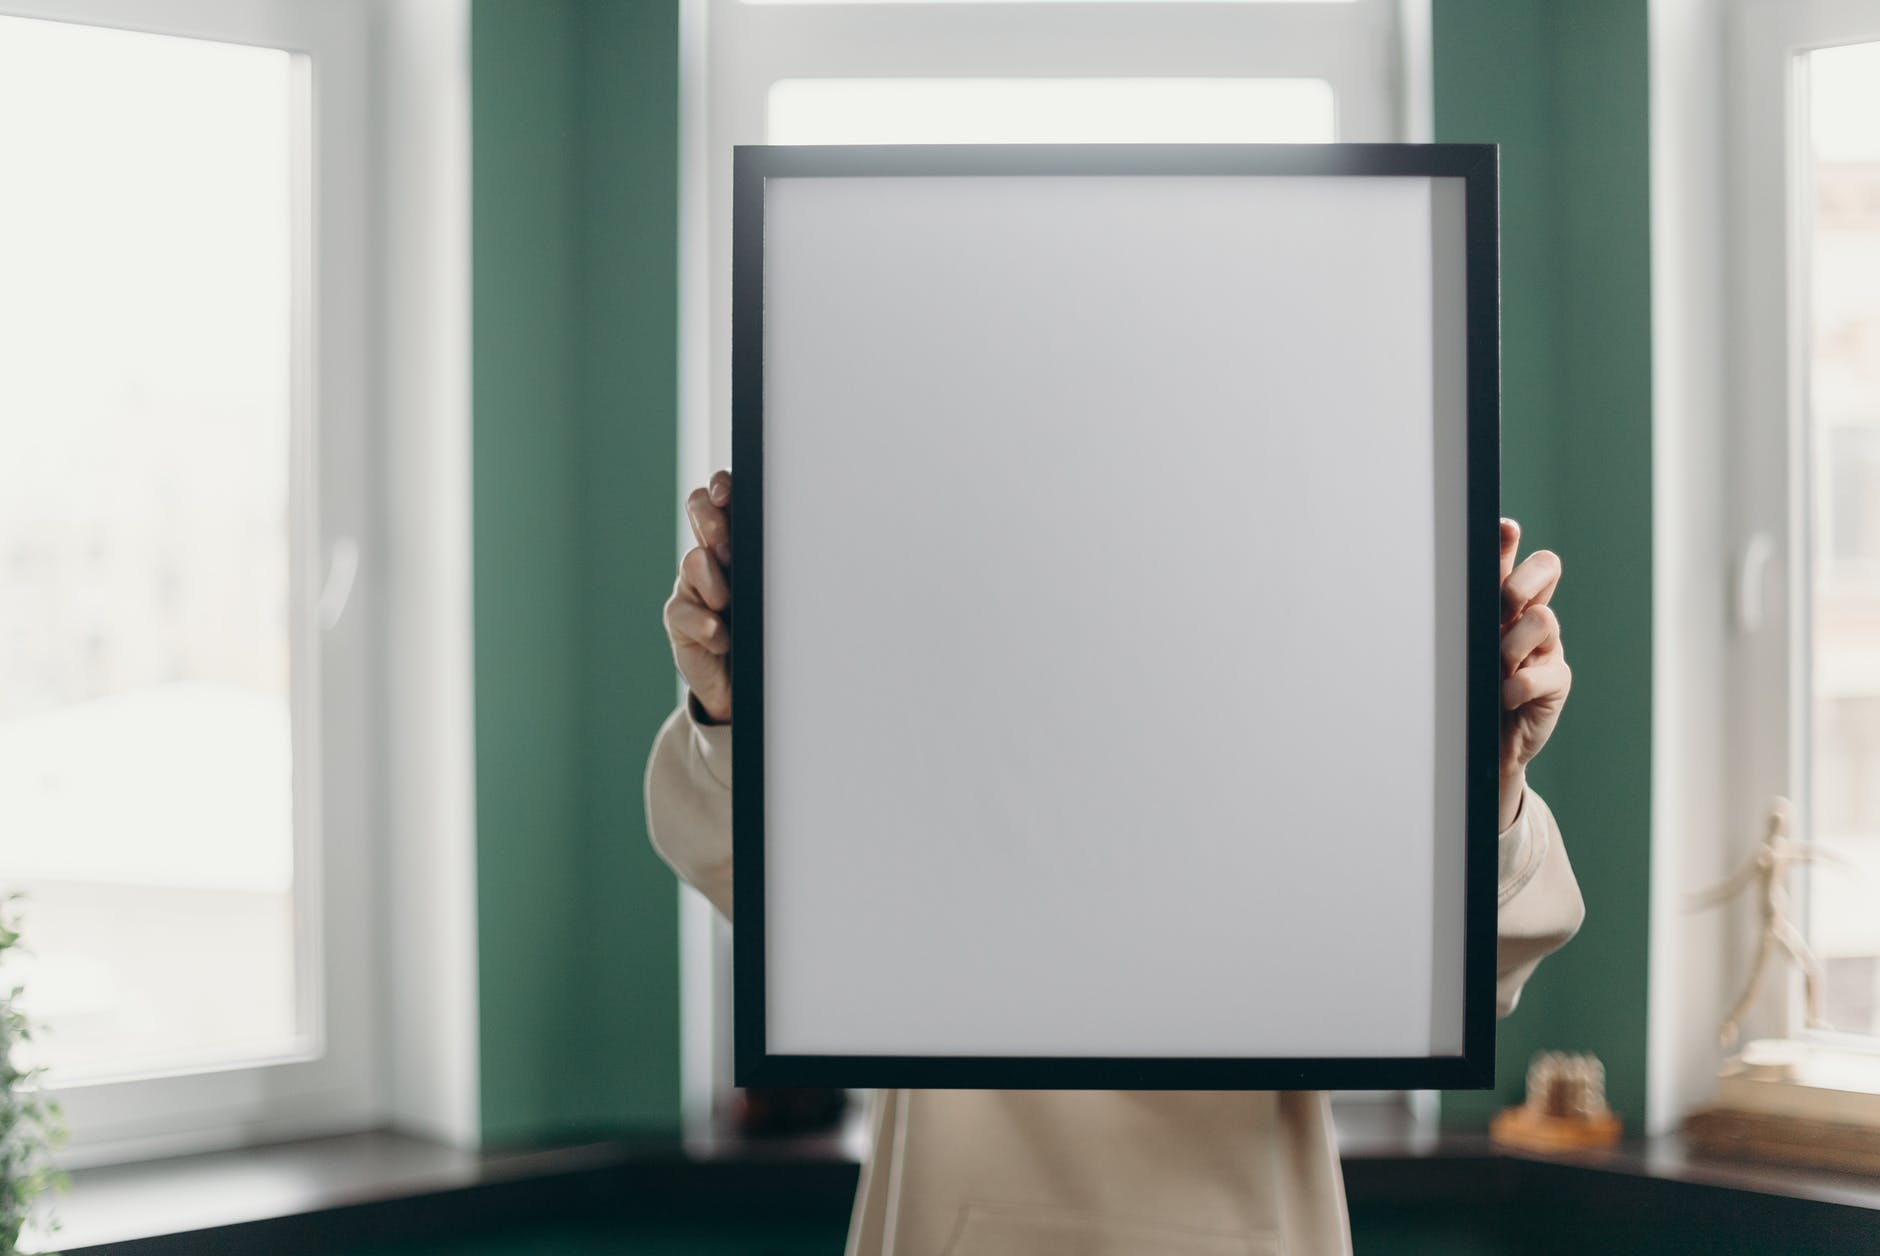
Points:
(1051, 111)
(780, 2)
(1843, 417)
(146, 387)
(187, 728)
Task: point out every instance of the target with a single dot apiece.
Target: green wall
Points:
(574, 118)
(1562, 86)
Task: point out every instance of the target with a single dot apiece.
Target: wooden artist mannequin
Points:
(1769, 867)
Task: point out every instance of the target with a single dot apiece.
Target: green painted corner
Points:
(1563, 89)
(574, 115)
(627, 81)
(526, 563)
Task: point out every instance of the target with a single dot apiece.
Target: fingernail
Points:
(719, 492)
(723, 553)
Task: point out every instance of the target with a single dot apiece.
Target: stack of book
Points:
(1794, 1104)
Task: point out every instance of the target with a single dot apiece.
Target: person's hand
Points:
(1534, 673)
(698, 614)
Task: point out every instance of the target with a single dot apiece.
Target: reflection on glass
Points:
(1051, 111)
(1843, 382)
(145, 752)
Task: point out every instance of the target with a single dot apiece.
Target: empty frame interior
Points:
(1113, 616)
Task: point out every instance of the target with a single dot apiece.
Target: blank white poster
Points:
(1114, 636)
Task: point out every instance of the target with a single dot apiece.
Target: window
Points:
(1766, 281)
(1807, 444)
(185, 728)
(984, 71)
(146, 747)
(1049, 111)
(1839, 177)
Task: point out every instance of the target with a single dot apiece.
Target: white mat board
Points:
(1113, 634)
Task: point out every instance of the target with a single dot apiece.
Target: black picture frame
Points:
(1477, 166)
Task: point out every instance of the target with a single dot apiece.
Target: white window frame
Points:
(1770, 303)
(1374, 53)
(1731, 515)
(380, 668)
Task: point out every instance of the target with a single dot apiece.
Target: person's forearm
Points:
(703, 715)
(688, 804)
(1539, 903)
(1513, 786)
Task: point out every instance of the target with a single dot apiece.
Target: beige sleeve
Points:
(1539, 899)
(688, 802)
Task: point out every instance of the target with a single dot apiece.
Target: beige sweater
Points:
(1096, 1172)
